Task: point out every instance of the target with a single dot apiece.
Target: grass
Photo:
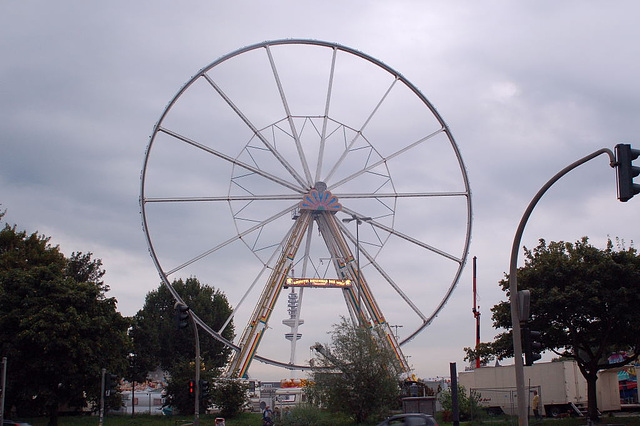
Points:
(245, 419)
(255, 419)
(571, 421)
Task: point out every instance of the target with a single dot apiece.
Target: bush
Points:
(467, 404)
(230, 396)
(308, 415)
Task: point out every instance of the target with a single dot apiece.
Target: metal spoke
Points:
(294, 131)
(230, 240)
(273, 197)
(359, 133)
(253, 128)
(386, 160)
(325, 119)
(265, 266)
(400, 194)
(407, 238)
(435, 313)
(379, 268)
(232, 160)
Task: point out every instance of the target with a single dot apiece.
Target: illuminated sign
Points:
(317, 282)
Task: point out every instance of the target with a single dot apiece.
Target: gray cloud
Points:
(526, 90)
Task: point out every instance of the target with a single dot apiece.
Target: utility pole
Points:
(196, 420)
(3, 383)
(102, 383)
(476, 310)
(359, 221)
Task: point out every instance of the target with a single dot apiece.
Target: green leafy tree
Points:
(230, 395)
(178, 396)
(158, 342)
(357, 374)
(57, 329)
(584, 302)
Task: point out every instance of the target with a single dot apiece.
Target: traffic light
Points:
(532, 345)
(192, 388)
(111, 384)
(182, 315)
(626, 171)
(204, 389)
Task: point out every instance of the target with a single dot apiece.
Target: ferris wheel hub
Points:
(320, 186)
(320, 200)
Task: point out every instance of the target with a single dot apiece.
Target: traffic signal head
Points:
(192, 387)
(524, 305)
(532, 346)
(111, 384)
(626, 171)
(204, 388)
(182, 315)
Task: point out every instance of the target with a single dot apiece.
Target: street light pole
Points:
(183, 313)
(513, 281)
(103, 373)
(196, 420)
(359, 221)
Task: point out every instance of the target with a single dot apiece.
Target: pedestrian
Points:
(267, 417)
(535, 404)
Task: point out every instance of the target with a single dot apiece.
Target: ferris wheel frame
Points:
(303, 181)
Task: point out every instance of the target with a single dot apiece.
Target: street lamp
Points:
(396, 328)
(513, 281)
(359, 221)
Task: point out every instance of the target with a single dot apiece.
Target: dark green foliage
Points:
(584, 301)
(158, 342)
(357, 374)
(178, 396)
(467, 404)
(57, 328)
(230, 396)
(157, 339)
(308, 415)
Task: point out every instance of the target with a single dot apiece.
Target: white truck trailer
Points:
(561, 387)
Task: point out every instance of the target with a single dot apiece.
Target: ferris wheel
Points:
(308, 181)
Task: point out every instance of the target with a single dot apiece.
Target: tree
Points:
(178, 391)
(357, 374)
(230, 395)
(159, 343)
(584, 302)
(57, 329)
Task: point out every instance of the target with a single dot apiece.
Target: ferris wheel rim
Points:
(143, 200)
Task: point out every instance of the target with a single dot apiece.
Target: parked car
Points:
(410, 419)
(14, 423)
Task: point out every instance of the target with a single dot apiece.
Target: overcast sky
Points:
(525, 87)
